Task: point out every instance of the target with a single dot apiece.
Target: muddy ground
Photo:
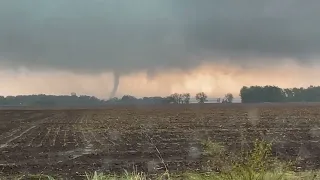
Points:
(70, 142)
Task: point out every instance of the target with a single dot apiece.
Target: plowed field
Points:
(74, 141)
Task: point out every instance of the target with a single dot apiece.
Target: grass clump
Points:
(126, 176)
(135, 175)
(255, 164)
(214, 156)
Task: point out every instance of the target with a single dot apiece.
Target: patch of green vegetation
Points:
(255, 164)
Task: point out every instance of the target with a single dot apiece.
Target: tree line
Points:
(256, 94)
(83, 100)
(175, 98)
(252, 94)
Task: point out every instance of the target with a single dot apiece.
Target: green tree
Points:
(175, 98)
(255, 94)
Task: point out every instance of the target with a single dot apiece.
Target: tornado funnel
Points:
(116, 81)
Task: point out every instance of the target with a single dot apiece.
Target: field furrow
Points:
(114, 138)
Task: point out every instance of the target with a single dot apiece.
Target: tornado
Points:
(116, 81)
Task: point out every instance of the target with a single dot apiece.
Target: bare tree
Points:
(175, 98)
(201, 97)
(228, 98)
(218, 100)
(180, 99)
(186, 98)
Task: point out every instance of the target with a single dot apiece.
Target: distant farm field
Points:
(70, 142)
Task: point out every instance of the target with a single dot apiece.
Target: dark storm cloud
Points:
(126, 35)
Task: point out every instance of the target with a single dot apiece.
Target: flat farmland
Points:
(70, 142)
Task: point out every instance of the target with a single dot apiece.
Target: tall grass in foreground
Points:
(256, 164)
(129, 176)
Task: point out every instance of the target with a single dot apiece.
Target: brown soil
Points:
(70, 142)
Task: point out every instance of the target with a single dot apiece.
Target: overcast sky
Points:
(161, 45)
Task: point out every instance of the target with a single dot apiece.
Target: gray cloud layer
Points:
(126, 35)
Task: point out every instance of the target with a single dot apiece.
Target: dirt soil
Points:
(70, 142)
